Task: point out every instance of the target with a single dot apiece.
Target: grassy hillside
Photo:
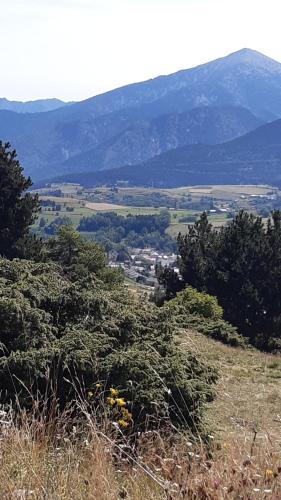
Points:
(42, 461)
(248, 393)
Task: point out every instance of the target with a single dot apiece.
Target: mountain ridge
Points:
(44, 141)
(254, 158)
(36, 106)
(206, 125)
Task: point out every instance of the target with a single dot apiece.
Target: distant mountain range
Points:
(254, 158)
(137, 125)
(38, 106)
(145, 139)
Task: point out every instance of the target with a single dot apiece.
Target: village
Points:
(138, 264)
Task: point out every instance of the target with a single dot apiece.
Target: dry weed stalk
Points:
(61, 461)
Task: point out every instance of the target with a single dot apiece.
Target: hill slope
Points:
(242, 464)
(248, 391)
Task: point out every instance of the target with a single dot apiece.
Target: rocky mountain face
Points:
(209, 104)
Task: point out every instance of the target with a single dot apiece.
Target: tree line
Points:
(240, 264)
(110, 229)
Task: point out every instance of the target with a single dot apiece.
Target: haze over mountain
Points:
(254, 158)
(136, 122)
(31, 106)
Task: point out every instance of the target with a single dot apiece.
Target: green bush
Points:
(223, 331)
(217, 329)
(194, 302)
(201, 312)
(65, 333)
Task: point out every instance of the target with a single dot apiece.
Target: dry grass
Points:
(243, 461)
(33, 466)
(248, 392)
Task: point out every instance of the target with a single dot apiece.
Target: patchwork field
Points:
(75, 202)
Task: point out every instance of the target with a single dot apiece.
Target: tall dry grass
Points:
(54, 459)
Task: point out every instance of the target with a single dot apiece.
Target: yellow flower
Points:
(123, 423)
(98, 386)
(113, 392)
(126, 414)
(90, 394)
(111, 401)
(121, 402)
(269, 473)
(226, 446)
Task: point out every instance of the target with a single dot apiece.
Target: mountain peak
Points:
(252, 58)
(248, 52)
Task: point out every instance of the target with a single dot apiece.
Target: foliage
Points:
(216, 329)
(194, 310)
(53, 227)
(241, 266)
(110, 229)
(70, 334)
(137, 223)
(194, 302)
(221, 330)
(168, 278)
(77, 256)
(197, 250)
(18, 208)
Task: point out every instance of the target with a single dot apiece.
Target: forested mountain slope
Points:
(252, 159)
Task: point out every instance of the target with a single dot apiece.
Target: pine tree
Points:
(18, 208)
(241, 272)
(241, 265)
(197, 252)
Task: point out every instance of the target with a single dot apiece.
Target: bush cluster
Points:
(69, 325)
(201, 312)
(69, 334)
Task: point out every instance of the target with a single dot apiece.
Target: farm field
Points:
(78, 211)
(103, 207)
(219, 192)
(175, 228)
(246, 189)
(75, 202)
(123, 210)
(75, 216)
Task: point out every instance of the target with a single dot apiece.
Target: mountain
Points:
(145, 139)
(38, 106)
(124, 126)
(254, 158)
(245, 78)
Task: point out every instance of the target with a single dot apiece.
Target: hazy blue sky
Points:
(73, 49)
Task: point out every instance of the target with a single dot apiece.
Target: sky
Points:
(74, 49)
